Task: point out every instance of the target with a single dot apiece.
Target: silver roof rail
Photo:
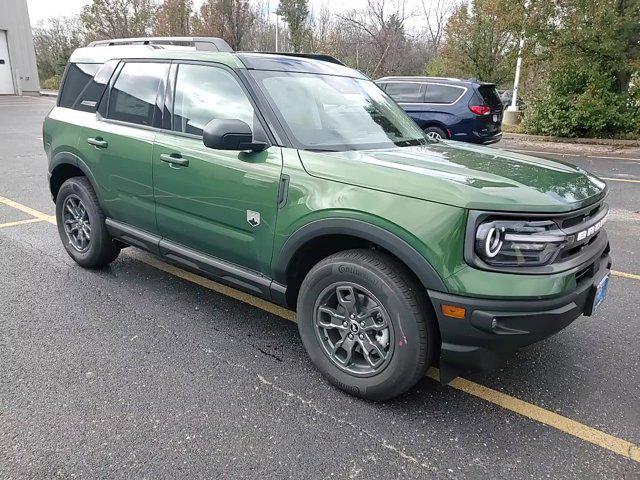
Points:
(211, 44)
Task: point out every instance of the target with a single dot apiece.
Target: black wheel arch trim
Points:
(69, 158)
(420, 266)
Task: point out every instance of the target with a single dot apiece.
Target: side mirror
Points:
(230, 134)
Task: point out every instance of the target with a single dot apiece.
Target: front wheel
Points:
(81, 225)
(365, 324)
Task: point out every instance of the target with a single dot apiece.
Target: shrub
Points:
(51, 83)
(572, 104)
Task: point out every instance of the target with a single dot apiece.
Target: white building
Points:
(18, 71)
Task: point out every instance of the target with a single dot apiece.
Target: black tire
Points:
(412, 336)
(436, 133)
(100, 249)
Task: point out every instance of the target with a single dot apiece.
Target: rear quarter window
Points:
(77, 77)
(445, 94)
(82, 90)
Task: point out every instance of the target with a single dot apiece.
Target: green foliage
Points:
(103, 19)
(571, 106)
(54, 41)
(296, 13)
(589, 51)
(482, 40)
(51, 83)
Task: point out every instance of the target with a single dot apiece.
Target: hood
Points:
(462, 175)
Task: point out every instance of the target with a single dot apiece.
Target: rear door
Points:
(119, 142)
(220, 203)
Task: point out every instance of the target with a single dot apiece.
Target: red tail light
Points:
(480, 109)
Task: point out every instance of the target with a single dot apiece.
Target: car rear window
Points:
(447, 94)
(77, 77)
(405, 92)
(490, 95)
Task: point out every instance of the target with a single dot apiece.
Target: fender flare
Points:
(68, 158)
(419, 265)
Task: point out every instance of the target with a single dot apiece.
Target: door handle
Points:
(174, 158)
(97, 142)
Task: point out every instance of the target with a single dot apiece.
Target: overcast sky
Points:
(42, 9)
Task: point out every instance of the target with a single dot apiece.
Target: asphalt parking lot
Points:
(142, 370)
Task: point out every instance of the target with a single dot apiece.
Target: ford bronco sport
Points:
(297, 179)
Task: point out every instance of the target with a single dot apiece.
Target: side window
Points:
(204, 93)
(133, 96)
(76, 79)
(406, 92)
(88, 99)
(442, 93)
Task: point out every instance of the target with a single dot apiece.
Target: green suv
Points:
(298, 180)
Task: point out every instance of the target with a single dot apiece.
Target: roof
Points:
(250, 60)
(446, 80)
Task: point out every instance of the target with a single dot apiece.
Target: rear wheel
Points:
(364, 321)
(435, 133)
(81, 225)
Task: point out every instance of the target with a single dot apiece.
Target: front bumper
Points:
(492, 330)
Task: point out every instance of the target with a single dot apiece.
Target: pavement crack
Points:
(379, 440)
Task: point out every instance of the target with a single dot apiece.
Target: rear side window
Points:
(133, 96)
(77, 77)
(204, 93)
(405, 92)
(490, 95)
(446, 94)
(88, 99)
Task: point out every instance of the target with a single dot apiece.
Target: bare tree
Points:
(383, 24)
(437, 13)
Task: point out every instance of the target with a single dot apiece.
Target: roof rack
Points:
(314, 56)
(211, 44)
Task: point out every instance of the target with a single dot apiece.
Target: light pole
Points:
(277, 31)
(277, 23)
(512, 115)
(516, 81)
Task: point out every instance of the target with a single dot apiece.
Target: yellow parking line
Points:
(20, 222)
(513, 404)
(620, 179)
(632, 276)
(28, 210)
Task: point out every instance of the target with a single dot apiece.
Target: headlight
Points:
(512, 243)
(538, 243)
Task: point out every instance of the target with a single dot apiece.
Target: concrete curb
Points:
(48, 93)
(583, 141)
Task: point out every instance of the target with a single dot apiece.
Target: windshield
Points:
(325, 112)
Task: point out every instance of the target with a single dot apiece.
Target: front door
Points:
(220, 203)
(119, 148)
(6, 78)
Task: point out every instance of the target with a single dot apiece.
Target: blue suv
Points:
(465, 110)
